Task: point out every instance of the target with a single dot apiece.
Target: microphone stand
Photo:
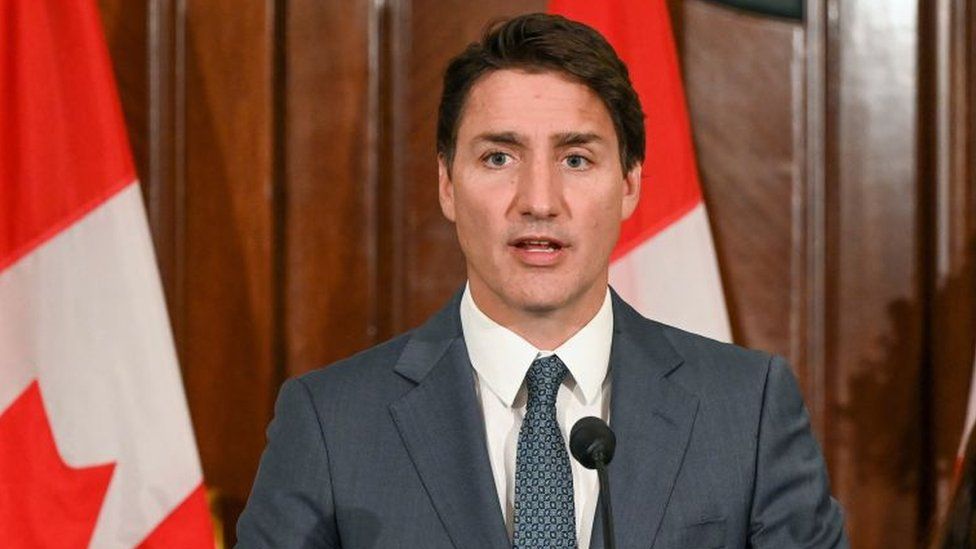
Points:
(592, 444)
(601, 473)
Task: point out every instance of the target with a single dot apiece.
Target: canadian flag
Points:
(664, 264)
(96, 446)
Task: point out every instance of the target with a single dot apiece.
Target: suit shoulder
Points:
(699, 346)
(370, 366)
(729, 380)
(712, 366)
(694, 349)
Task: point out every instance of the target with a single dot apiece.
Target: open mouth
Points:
(537, 244)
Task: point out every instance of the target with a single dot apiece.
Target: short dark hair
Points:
(540, 42)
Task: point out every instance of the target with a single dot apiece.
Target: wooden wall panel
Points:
(948, 152)
(126, 32)
(872, 232)
(329, 217)
(875, 279)
(227, 237)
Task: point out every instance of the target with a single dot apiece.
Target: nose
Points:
(539, 193)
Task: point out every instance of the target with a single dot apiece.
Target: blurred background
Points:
(286, 151)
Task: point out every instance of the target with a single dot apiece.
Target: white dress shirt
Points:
(501, 358)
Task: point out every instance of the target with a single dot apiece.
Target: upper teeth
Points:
(539, 244)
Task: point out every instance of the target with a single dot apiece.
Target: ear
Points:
(632, 188)
(445, 188)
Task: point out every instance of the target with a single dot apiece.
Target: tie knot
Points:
(544, 378)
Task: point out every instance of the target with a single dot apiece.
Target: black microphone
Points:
(592, 444)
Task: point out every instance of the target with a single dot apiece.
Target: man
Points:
(454, 435)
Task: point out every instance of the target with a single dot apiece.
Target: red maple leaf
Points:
(43, 501)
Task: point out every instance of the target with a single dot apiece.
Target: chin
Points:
(539, 307)
(539, 300)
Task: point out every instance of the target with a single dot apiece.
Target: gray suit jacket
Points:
(387, 449)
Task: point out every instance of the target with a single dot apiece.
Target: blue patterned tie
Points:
(544, 512)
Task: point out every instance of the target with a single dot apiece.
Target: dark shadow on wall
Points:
(885, 404)
(950, 369)
(908, 405)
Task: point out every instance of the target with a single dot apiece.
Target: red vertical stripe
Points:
(63, 146)
(640, 31)
(187, 526)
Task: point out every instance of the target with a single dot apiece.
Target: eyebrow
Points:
(504, 138)
(565, 139)
(569, 139)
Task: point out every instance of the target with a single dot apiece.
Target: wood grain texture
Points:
(126, 32)
(330, 188)
(874, 291)
(745, 106)
(163, 180)
(228, 282)
(948, 116)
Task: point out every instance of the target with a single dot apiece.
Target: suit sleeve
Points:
(792, 505)
(291, 502)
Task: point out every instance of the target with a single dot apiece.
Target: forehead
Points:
(533, 103)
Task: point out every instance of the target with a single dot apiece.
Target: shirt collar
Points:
(502, 358)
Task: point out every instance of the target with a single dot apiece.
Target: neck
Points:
(545, 329)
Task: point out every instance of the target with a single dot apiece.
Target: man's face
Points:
(537, 193)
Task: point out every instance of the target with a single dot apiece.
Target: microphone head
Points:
(592, 442)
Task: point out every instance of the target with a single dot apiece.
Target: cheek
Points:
(468, 214)
(475, 223)
(605, 213)
(603, 224)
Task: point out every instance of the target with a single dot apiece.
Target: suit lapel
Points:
(652, 418)
(441, 426)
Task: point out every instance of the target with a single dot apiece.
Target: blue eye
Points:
(497, 159)
(576, 162)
